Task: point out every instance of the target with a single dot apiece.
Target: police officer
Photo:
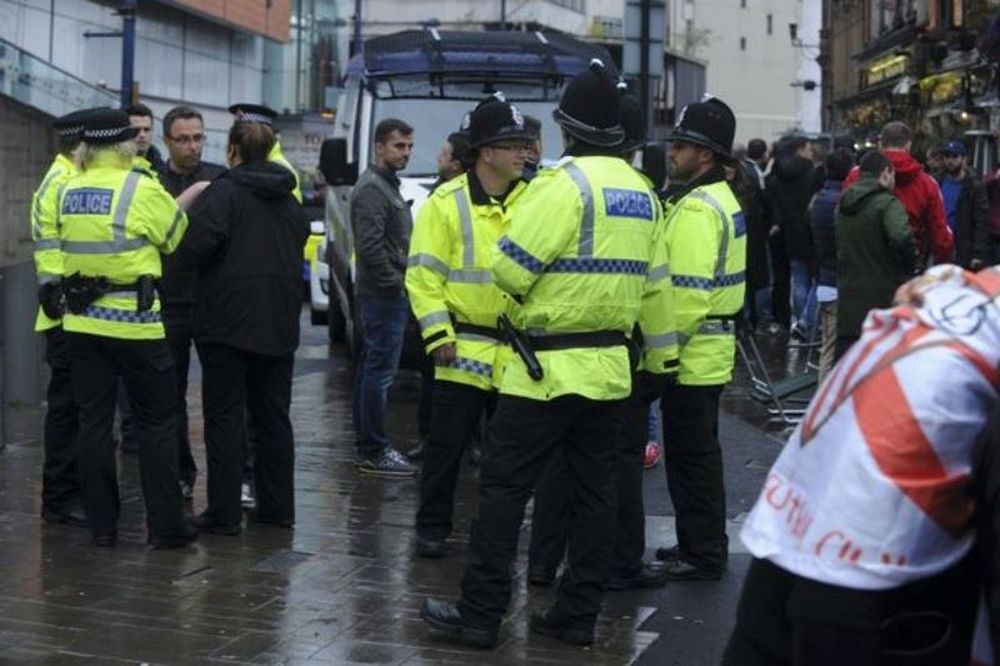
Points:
(257, 113)
(456, 303)
(706, 244)
(113, 223)
(60, 481)
(553, 505)
(578, 257)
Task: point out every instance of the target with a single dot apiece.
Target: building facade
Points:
(930, 63)
(754, 62)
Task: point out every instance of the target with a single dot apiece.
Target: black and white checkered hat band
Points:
(247, 117)
(74, 130)
(108, 133)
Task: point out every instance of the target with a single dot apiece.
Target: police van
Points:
(430, 79)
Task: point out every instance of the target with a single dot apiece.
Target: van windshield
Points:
(434, 118)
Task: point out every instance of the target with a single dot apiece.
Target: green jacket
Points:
(875, 252)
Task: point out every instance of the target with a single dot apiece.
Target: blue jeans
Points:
(655, 432)
(803, 295)
(383, 321)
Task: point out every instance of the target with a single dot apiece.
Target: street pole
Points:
(357, 27)
(644, 60)
(503, 13)
(127, 11)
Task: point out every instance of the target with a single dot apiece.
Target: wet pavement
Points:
(344, 586)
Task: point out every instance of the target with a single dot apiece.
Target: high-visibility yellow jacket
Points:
(114, 221)
(449, 281)
(45, 233)
(578, 255)
(706, 242)
(278, 157)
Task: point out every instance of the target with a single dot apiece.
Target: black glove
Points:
(50, 297)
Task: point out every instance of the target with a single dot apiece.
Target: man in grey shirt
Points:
(381, 222)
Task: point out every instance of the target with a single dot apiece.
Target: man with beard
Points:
(966, 205)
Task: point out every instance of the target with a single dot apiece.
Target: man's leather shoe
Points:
(105, 540)
(71, 514)
(204, 522)
(187, 537)
(541, 576)
(445, 620)
(431, 548)
(667, 553)
(682, 570)
(550, 623)
(649, 576)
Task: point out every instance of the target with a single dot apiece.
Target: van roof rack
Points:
(433, 51)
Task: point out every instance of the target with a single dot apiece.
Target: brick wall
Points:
(268, 18)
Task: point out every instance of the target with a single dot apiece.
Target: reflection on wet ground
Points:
(343, 587)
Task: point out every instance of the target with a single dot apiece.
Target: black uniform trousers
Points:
(456, 414)
(147, 367)
(523, 435)
(787, 620)
(60, 479)
(177, 323)
(693, 461)
(553, 504)
(234, 383)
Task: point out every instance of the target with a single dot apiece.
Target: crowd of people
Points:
(560, 307)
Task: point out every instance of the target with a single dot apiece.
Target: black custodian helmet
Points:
(589, 109)
(709, 123)
(495, 119)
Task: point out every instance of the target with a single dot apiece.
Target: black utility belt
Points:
(81, 291)
(578, 340)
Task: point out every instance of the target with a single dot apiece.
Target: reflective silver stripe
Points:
(716, 327)
(683, 338)
(428, 261)
(173, 226)
(46, 244)
(471, 276)
(586, 248)
(47, 278)
(476, 337)
(660, 341)
(124, 203)
(465, 218)
(43, 188)
(102, 247)
(658, 273)
(720, 264)
(434, 318)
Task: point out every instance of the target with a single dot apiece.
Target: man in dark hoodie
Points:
(822, 214)
(791, 186)
(966, 206)
(920, 195)
(875, 251)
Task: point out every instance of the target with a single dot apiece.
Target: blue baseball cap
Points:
(953, 147)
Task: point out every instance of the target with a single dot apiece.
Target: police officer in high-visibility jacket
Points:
(553, 505)
(258, 113)
(578, 256)
(113, 223)
(706, 244)
(456, 303)
(61, 501)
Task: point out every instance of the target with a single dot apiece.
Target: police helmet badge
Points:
(517, 116)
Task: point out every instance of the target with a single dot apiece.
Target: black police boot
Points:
(551, 623)
(445, 620)
(204, 522)
(681, 570)
(70, 514)
(648, 576)
(186, 537)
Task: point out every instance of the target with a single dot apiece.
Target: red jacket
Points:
(921, 197)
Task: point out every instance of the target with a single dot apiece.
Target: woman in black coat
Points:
(245, 239)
